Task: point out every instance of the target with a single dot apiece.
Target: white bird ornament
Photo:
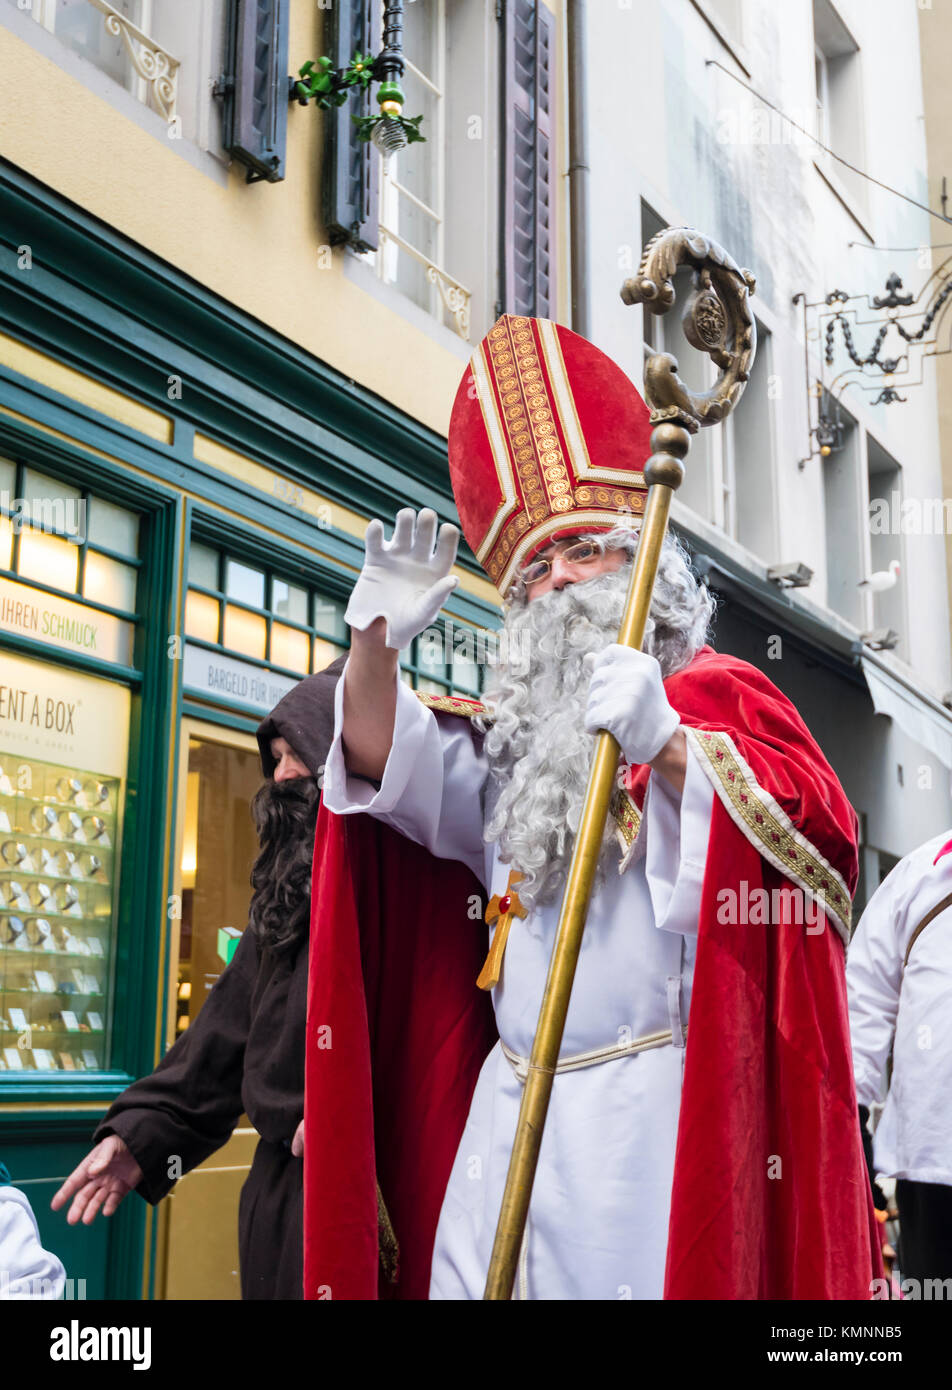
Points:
(881, 579)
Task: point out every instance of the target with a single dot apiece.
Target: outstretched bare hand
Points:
(105, 1176)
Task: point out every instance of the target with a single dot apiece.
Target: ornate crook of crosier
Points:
(717, 320)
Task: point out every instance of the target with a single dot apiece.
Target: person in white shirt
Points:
(899, 979)
(26, 1269)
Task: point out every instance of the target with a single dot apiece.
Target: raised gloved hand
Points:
(404, 580)
(626, 697)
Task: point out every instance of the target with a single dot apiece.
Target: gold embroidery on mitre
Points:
(524, 418)
(770, 829)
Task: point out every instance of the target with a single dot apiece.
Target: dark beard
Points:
(285, 814)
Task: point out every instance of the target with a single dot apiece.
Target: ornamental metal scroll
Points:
(717, 320)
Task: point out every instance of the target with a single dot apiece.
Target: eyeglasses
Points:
(579, 553)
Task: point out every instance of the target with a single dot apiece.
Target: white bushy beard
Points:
(539, 753)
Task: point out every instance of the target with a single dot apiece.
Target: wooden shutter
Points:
(526, 252)
(255, 114)
(351, 166)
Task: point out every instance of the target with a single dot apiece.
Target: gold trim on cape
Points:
(768, 827)
(451, 704)
(627, 820)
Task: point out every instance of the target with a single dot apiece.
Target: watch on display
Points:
(43, 821)
(57, 882)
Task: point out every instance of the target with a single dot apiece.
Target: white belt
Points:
(520, 1065)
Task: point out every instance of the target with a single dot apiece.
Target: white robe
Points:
(26, 1269)
(598, 1220)
(912, 1013)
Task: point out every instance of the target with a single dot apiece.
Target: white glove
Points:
(626, 697)
(405, 581)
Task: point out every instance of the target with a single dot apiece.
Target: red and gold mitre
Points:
(548, 438)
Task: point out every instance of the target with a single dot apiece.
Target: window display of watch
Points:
(58, 836)
(43, 821)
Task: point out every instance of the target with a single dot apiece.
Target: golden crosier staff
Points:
(718, 321)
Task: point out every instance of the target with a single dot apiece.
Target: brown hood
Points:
(305, 717)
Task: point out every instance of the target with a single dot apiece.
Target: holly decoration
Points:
(359, 71)
(321, 84)
(328, 86)
(410, 125)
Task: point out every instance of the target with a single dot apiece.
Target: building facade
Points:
(758, 124)
(230, 334)
(201, 404)
(935, 38)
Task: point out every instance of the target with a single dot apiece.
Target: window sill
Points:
(366, 278)
(99, 85)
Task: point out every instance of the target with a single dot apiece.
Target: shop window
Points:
(49, 559)
(57, 539)
(448, 658)
(290, 601)
(63, 748)
(249, 612)
(68, 583)
(245, 632)
(289, 647)
(201, 616)
(112, 528)
(109, 581)
(244, 583)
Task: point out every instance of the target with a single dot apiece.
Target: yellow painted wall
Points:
(256, 245)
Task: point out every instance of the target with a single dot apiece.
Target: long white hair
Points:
(539, 753)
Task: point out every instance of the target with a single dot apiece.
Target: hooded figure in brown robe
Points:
(244, 1053)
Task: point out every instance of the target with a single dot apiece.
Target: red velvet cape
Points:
(396, 1034)
(771, 1199)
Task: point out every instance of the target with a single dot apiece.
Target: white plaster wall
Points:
(667, 128)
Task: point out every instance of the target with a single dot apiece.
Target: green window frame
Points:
(325, 625)
(84, 547)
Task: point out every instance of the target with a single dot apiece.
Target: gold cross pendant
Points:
(501, 910)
